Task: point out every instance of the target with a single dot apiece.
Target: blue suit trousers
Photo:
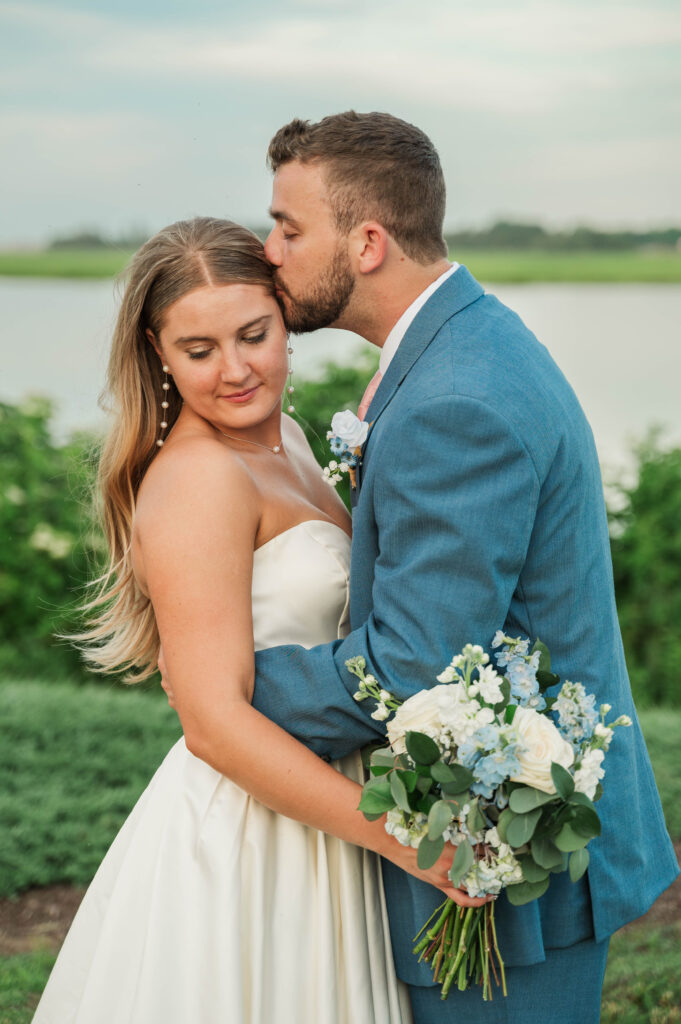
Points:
(565, 988)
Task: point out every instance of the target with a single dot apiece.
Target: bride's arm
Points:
(196, 531)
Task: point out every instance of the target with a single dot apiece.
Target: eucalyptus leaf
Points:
(562, 780)
(525, 892)
(409, 779)
(399, 792)
(546, 853)
(439, 817)
(547, 679)
(527, 799)
(568, 840)
(586, 822)
(382, 758)
(475, 820)
(429, 852)
(421, 748)
(532, 872)
(462, 863)
(544, 655)
(579, 862)
(452, 775)
(375, 802)
(505, 819)
(521, 829)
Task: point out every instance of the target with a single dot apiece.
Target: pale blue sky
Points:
(124, 114)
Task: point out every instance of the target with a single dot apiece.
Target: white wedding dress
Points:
(211, 909)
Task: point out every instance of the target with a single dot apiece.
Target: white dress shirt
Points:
(393, 340)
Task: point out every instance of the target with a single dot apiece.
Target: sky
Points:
(124, 116)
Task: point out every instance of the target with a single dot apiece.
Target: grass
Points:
(22, 979)
(502, 267)
(67, 263)
(643, 979)
(584, 267)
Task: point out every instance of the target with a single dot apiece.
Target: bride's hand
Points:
(405, 857)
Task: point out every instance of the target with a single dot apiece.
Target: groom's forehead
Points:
(298, 189)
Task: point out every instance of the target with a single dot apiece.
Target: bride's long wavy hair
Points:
(121, 633)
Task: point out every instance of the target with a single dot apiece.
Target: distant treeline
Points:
(502, 235)
(510, 235)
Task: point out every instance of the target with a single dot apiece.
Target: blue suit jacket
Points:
(480, 506)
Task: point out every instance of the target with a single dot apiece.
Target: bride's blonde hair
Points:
(122, 633)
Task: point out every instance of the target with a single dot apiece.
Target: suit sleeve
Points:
(455, 495)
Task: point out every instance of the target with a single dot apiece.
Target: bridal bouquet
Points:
(488, 762)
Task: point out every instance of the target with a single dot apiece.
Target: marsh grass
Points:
(502, 267)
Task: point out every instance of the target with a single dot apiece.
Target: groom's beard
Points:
(326, 301)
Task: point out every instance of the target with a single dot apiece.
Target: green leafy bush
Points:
(646, 552)
(73, 760)
(48, 544)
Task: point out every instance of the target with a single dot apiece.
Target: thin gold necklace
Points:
(275, 450)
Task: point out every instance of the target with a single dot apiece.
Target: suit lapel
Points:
(453, 295)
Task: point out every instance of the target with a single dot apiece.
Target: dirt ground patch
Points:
(40, 918)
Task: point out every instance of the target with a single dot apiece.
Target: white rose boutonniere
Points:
(347, 435)
(350, 429)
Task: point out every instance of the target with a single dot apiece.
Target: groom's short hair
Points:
(376, 167)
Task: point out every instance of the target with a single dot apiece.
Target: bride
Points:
(246, 890)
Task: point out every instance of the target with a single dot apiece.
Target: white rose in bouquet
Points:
(542, 744)
(352, 430)
(421, 713)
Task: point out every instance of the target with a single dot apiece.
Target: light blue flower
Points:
(337, 445)
(493, 769)
(522, 676)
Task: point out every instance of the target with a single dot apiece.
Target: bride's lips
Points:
(238, 397)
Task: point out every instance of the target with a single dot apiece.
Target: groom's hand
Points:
(165, 682)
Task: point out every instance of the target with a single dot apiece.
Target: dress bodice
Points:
(301, 586)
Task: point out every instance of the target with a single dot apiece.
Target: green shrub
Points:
(73, 761)
(48, 543)
(646, 552)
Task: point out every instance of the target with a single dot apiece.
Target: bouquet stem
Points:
(462, 946)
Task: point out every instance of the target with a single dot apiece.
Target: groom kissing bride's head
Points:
(358, 204)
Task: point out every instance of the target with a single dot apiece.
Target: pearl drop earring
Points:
(164, 406)
(290, 388)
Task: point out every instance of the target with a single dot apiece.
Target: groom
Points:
(478, 506)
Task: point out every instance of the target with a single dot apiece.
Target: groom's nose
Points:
(273, 248)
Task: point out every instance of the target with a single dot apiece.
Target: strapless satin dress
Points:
(211, 909)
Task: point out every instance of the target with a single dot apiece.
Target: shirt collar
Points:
(399, 330)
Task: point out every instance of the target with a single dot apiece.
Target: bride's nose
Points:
(235, 367)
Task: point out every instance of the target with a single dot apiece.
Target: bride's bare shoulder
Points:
(194, 471)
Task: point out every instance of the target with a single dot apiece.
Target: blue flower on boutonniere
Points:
(346, 437)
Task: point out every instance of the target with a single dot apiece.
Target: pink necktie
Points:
(371, 390)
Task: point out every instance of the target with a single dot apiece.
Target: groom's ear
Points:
(370, 243)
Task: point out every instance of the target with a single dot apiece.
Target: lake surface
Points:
(618, 345)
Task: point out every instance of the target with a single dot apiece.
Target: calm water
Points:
(618, 345)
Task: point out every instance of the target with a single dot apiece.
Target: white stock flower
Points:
(541, 743)
(381, 713)
(589, 773)
(350, 429)
(489, 684)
